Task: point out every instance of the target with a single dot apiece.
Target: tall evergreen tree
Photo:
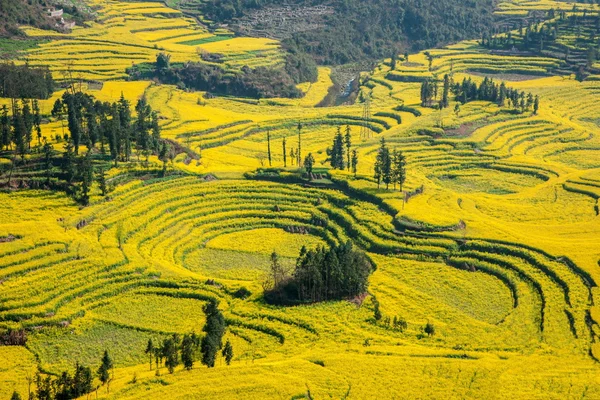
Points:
(5, 138)
(228, 352)
(354, 161)
(187, 352)
(28, 119)
(106, 365)
(348, 143)
(446, 93)
(399, 169)
(214, 328)
(269, 148)
(299, 150)
(150, 351)
(284, 153)
(309, 162)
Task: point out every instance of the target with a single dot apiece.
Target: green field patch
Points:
(487, 181)
(59, 348)
(211, 39)
(157, 313)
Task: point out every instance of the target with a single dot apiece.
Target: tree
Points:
(269, 147)
(212, 342)
(37, 120)
(163, 63)
(228, 352)
(164, 156)
(87, 177)
(336, 154)
(187, 352)
(28, 119)
(536, 105)
(299, 151)
(429, 329)
(284, 153)
(170, 353)
(399, 169)
(48, 150)
(106, 365)
(348, 143)
(15, 396)
(393, 62)
(5, 138)
(309, 162)
(445, 102)
(68, 162)
(150, 351)
(101, 178)
(354, 161)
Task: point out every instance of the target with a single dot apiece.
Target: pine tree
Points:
(445, 96)
(284, 153)
(170, 353)
(348, 143)
(187, 352)
(269, 147)
(73, 123)
(68, 162)
(149, 350)
(536, 105)
(299, 151)
(125, 128)
(386, 169)
(228, 352)
(37, 121)
(48, 150)
(309, 162)
(28, 119)
(5, 138)
(214, 329)
(354, 161)
(104, 370)
(399, 169)
(87, 176)
(101, 178)
(337, 151)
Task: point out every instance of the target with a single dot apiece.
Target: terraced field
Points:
(495, 239)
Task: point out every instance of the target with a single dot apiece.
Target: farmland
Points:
(494, 239)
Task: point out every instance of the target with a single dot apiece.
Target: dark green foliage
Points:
(429, 329)
(106, 365)
(150, 350)
(187, 352)
(309, 162)
(169, 349)
(25, 82)
(214, 328)
(489, 90)
(15, 396)
(337, 153)
(64, 387)
(324, 274)
(228, 352)
(260, 82)
(360, 30)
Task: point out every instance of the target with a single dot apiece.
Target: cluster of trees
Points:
(260, 82)
(390, 167)
(320, 275)
(295, 153)
(488, 90)
(66, 386)
(25, 82)
(186, 350)
(365, 31)
(341, 155)
(18, 124)
(468, 90)
(91, 122)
